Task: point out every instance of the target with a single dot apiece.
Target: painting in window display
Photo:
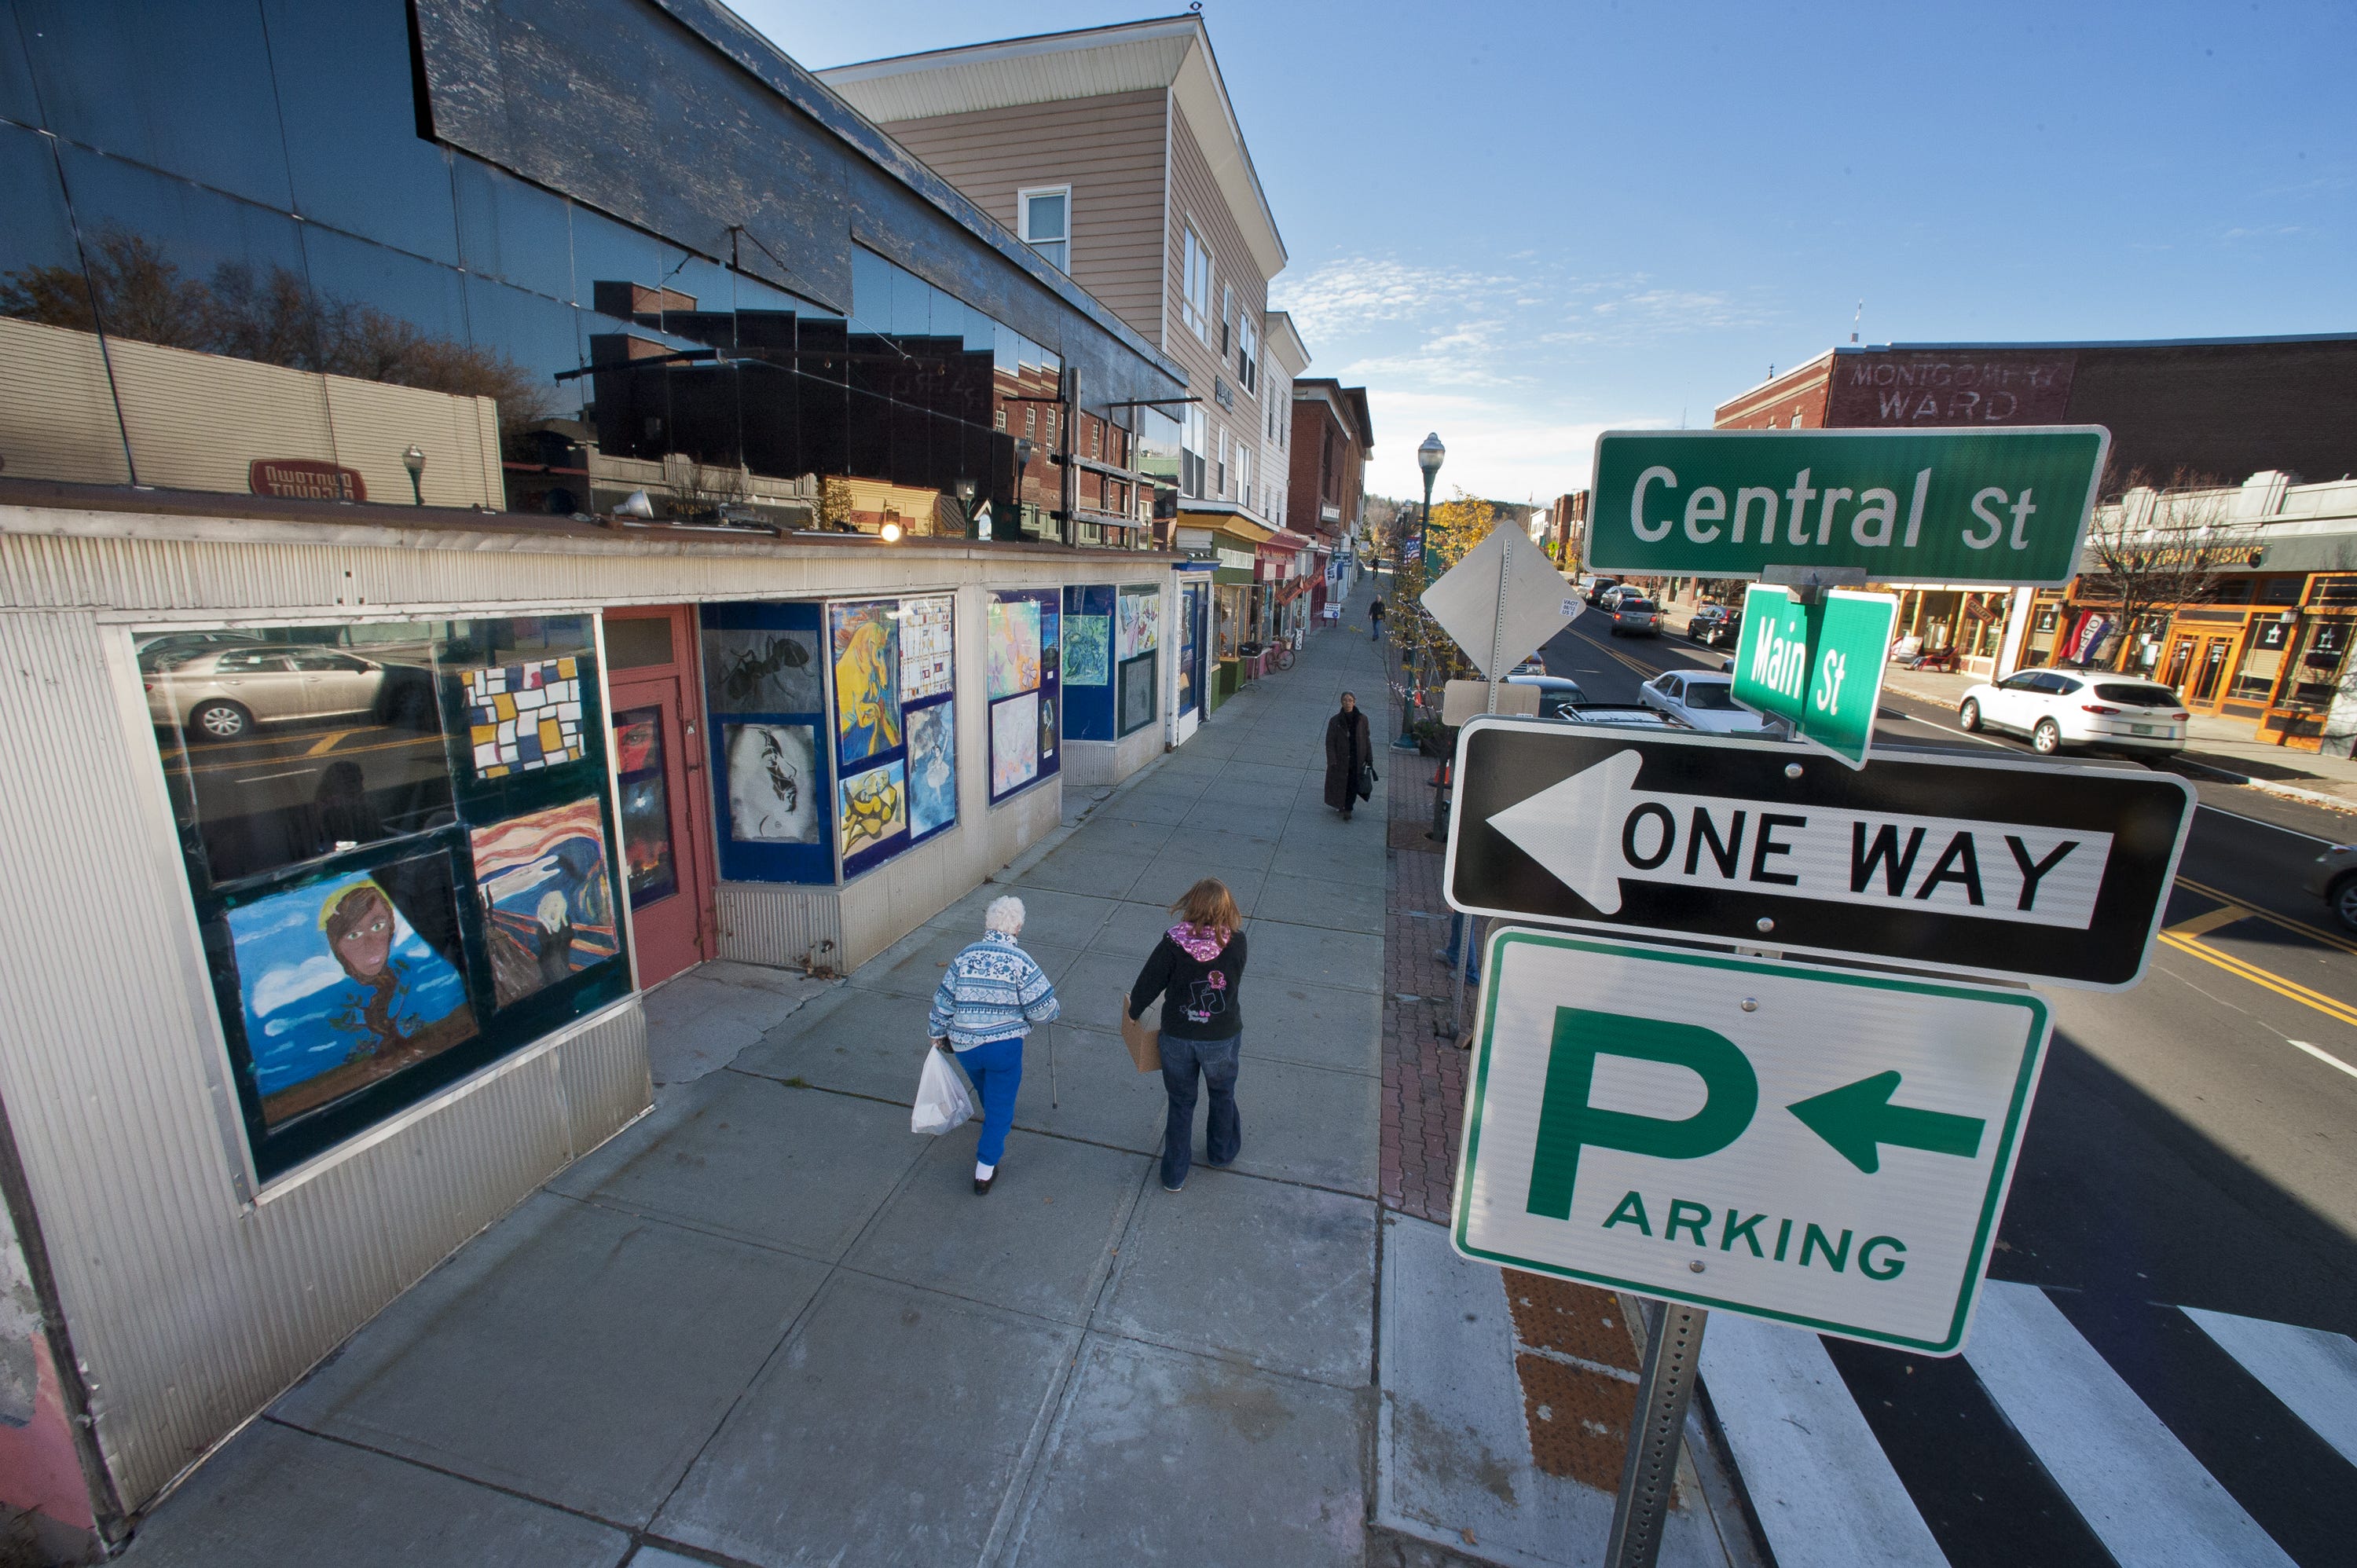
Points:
(523, 718)
(1051, 641)
(651, 871)
(866, 641)
(932, 768)
(1014, 648)
(1138, 692)
(1088, 651)
(927, 647)
(1014, 743)
(875, 807)
(774, 783)
(1141, 623)
(761, 670)
(544, 888)
(348, 979)
(1048, 730)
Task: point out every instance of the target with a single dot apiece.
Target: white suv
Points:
(2056, 708)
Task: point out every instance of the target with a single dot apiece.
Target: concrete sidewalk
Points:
(769, 1325)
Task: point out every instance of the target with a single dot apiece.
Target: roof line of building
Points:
(1002, 51)
(754, 53)
(2100, 343)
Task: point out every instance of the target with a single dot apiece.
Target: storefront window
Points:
(1233, 617)
(2317, 674)
(396, 836)
(2263, 660)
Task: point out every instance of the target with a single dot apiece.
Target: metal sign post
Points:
(1656, 1433)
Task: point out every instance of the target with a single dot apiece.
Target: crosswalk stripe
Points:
(2147, 1498)
(2312, 1370)
(1819, 1482)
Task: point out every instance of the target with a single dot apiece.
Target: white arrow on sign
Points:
(1596, 830)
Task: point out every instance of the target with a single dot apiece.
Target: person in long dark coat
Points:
(1349, 748)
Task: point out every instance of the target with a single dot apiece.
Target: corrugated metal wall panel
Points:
(776, 926)
(189, 1309)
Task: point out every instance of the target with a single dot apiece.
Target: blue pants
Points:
(1223, 1132)
(997, 1068)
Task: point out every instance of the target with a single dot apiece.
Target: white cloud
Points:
(1505, 448)
(279, 987)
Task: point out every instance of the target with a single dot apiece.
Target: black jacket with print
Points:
(1205, 999)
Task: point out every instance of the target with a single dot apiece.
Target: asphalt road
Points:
(2193, 1143)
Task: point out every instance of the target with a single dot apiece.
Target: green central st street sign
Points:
(2008, 506)
(1818, 667)
(1829, 1149)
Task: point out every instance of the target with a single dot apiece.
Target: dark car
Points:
(1716, 626)
(1599, 588)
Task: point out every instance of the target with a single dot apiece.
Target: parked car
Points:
(224, 694)
(1715, 624)
(1635, 615)
(2056, 708)
(1618, 715)
(1600, 588)
(2334, 880)
(168, 649)
(1555, 691)
(1703, 699)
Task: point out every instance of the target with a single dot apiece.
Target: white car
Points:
(1703, 699)
(221, 693)
(2056, 708)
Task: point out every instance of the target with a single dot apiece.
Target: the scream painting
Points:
(544, 878)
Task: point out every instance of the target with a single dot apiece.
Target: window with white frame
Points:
(1244, 474)
(1194, 441)
(1220, 469)
(1195, 286)
(1248, 354)
(1044, 220)
(1227, 316)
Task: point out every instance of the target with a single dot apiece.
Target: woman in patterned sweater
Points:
(987, 1003)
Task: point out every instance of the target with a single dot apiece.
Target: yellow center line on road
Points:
(327, 742)
(2301, 928)
(2202, 925)
(2339, 1011)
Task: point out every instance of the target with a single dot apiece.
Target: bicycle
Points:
(1280, 654)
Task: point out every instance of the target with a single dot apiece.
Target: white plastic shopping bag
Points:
(942, 1099)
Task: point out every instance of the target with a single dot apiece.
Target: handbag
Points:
(1366, 781)
(1145, 1044)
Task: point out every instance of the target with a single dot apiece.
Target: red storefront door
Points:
(659, 753)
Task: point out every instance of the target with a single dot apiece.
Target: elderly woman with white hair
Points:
(985, 1004)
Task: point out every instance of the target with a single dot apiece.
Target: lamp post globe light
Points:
(1427, 457)
(415, 461)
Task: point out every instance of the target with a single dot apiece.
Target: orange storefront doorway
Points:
(659, 753)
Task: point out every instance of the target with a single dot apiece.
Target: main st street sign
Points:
(2003, 506)
(1824, 1148)
(1988, 866)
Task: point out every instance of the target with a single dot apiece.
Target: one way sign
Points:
(1981, 865)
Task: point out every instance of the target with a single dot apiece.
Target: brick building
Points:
(1332, 438)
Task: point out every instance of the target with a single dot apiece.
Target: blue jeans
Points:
(1456, 958)
(1224, 1132)
(997, 1068)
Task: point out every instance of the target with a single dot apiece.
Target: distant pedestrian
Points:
(1375, 618)
(1199, 968)
(1349, 758)
(986, 1004)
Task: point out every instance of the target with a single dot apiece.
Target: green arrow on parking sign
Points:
(1859, 1120)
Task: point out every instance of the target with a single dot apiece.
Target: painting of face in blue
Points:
(340, 987)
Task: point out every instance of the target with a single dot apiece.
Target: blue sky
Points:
(1520, 224)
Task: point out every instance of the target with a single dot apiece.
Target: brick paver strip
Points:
(1423, 1076)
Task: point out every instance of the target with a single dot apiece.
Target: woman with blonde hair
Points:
(1199, 967)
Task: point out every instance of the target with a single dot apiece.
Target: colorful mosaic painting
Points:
(522, 717)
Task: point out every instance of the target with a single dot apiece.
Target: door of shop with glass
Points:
(658, 755)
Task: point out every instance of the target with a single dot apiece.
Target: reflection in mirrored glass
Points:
(607, 257)
(345, 95)
(512, 231)
(181, 87)
(18, 101)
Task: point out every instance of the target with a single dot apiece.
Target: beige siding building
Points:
(1115, 153)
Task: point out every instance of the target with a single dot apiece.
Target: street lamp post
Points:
(1022, 462)
(1427, 457)
(965, 504)
(415, 461)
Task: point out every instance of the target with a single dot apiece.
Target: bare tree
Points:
(2157, 545)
